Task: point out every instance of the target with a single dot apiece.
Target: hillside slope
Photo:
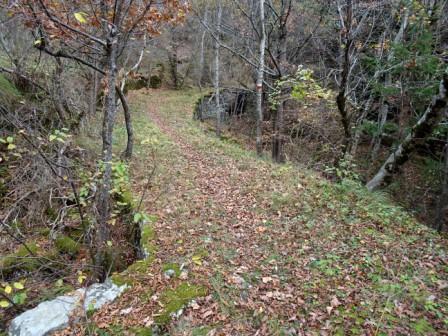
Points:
(265, 249)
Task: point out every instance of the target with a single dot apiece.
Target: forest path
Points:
(280, 251)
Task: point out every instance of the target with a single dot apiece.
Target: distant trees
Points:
(95, 34)
(383, 70)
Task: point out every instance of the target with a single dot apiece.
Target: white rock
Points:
(53, 315)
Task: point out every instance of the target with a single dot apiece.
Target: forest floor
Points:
(249, 247)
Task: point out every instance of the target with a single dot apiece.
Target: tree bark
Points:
(217, 71)
(104, 206)
(94, 93)
(419, 133)
(260, 76)
(277, 141)
(341, 98)
(441, 211)
(202, 53)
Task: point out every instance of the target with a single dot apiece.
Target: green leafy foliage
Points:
(302, 86)
(13, 294)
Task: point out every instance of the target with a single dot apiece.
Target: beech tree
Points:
(95, 35)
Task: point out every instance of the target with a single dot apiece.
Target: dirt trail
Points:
(226, 213)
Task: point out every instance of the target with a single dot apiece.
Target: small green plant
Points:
(13, 294)
(345, 170)
(59, 135)
(302, 86)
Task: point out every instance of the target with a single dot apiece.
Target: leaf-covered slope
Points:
(273, 249)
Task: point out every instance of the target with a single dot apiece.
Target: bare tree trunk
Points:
(382, 119)
(217, 71)
(341, 99)
(260, 73)
(127, 154)
(278, 141)
(173, 60)
(419, 133)
(58, 97)
(103, 204)
(441, 211)
(94, 93)
(202, 53)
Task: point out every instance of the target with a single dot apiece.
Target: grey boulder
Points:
(50, 316)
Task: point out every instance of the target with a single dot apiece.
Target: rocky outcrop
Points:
(233, 102)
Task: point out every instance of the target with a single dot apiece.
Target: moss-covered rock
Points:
(25, 258)
(67, 245)
(175, 299)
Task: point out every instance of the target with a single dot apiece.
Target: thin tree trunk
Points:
(260, 73)
(127, 154)
(441, 214)
(341, 98)
(104, 206)
(202, 53)
(58, 96)
(419, 133)
(217, 71)
(201, 61)
(94, 93)
(277, 143)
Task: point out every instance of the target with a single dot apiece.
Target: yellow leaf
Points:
(81, 17)
(18, 285)
(197, 260)
(8, 289)
(4, 304)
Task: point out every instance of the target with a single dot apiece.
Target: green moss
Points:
(20, 260)
(175, 299)
(140, 266)
(147, 241)
(8, 91)
(172, 266)
(126, 200)
(142, 331)
(55, 291)
(201, 331)
(66, 245)
(44, 231)
(123, 278)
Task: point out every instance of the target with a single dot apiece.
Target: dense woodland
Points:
(234, 167)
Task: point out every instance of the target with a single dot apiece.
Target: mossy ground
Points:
(65, 244)
(175, 299)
